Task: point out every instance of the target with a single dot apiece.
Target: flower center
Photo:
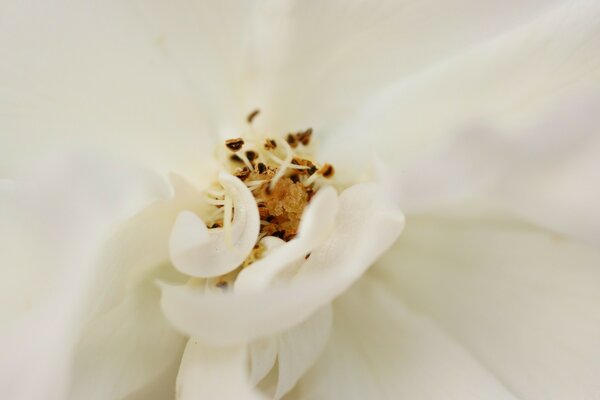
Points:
(281, 174)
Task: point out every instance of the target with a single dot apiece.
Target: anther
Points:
(252, 115)
(304, 137)
(251, 155)
(242, 173)
(270, 144)
(262, 168)
(234, 144)
(291, 139)
(327, 170)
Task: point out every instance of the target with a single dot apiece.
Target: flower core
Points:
(283, 177)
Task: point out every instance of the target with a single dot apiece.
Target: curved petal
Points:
(365, 226)
(505, 80)
(381, 350)
(197, 251)
(214, 373)
(316, 224)
(522, 301)
(263, 355)
(48, 281)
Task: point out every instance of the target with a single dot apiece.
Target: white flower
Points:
(483, 112)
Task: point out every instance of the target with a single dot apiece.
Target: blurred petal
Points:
(206, 42)
(314, 63)
(126, 348)
(481, 158)
(523, 302)
(380, 350)
(365, 226)
(214, 373)
(201, 252)
(64, 212)
(506, 80)
(76, 72)
(161, 388)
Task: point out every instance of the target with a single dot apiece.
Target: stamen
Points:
(281, 179)
(284, 165)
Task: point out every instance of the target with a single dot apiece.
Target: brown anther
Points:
(304, 137)
(306, 256)
(242, 173)
(295, 178)
(291, 139)
(262, 168)
(251, 155)
(234, 144)
(221, 285)
(270, 144)
(312, 170)
(235, 158)
(218, 224)
(327, 170)
(252, 115)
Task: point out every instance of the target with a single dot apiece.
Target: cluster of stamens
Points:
(282, 178)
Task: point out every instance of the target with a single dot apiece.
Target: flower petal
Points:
(482, 158)
(315, 63)
(300, 347)
(381, 350)
(125, 348)
(490, 82)
(75, 200)
(524, 302)
(263, 355)
(366, 225)
(104, 82)
(208, 372)
(197, 251)
(316, 224)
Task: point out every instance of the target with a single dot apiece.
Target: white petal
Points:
(125, 348)
(207, 44)
(105, 81)
(489, 82)
(557, 192)
(214, 373)
(314, 63)
(481, 159)
(161, 388)
(381, 350)
(316, 224)
(197, 251)
(300, 347)
(365, 226)
(50, 239)
(524, 302)
(263, 354)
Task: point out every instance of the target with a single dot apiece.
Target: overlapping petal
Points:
(197, 251)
